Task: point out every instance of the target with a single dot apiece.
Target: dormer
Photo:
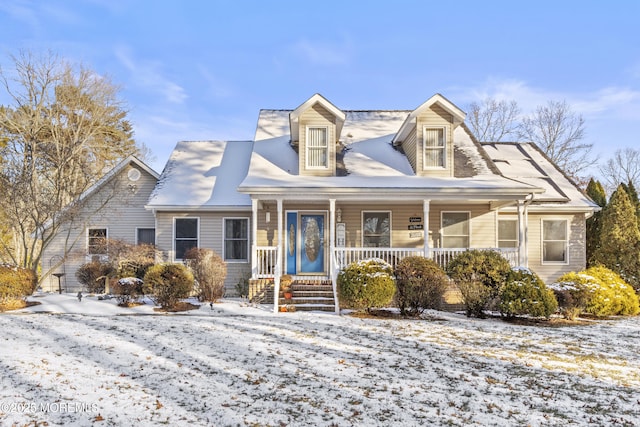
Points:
(426, 136)
(315, 130)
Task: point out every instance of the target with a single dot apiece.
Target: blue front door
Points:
(305, 243)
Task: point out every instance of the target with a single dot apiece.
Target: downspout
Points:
(527, 202)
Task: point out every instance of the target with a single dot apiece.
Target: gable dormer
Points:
(315, 129)
(426, 136)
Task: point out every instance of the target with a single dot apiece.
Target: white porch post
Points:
(332, 232)
(425, 213)
(278, 268)
(521, 235)
(254, 238)
(280, 263)
(526, 234)
(332, 248)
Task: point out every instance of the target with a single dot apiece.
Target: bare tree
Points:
(559, 132)
(64, 128)
(623, 167)
(493, 120)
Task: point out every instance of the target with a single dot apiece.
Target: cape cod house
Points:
(319, 187)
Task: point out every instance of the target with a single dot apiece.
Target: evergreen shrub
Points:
(479, 274)
(421, 284)
(366, 284)
(526, 294)
(597, 291)
(624, 300)
(168, 283)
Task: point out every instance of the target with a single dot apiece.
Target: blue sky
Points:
(203, 69)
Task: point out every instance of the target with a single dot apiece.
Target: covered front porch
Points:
(315, 239)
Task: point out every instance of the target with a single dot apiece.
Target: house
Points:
(319, 187)
(113, 208)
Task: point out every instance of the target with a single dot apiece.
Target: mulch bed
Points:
(181, 306)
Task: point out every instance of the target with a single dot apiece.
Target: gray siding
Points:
(211, 236)
(115, 206)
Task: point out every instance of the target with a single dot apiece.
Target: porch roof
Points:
(484, 187)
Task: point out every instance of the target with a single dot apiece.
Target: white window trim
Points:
(173, 240)
(306, 153)
(224, 240)
(567, 241)
(390, 225)
(515, 219)
(443, 148)
(442, 213)
(144, 228)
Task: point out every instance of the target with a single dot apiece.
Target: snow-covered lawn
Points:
(87, 363)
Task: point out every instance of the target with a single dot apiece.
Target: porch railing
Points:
(442, 256)
(266, 262)
(267, 256)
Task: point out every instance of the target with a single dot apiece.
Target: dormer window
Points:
(435, 147)
(317, 147)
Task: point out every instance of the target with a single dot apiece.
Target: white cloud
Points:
(147, 74)
(612, 101)
(323, 53)
(22, 11)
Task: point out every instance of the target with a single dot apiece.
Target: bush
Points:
(168, 283)
(526, 294)
(597, 291)
(420, 283)
(573, 293)
(624, 299)
(366, 284)
(127, 290)
(92, 275)
(475, 297)
(16, 284)
(479, 275)
(131, 260)
(209, 271)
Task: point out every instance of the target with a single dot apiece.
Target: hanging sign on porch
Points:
(414, 227)
(415, 234)
(415, 219)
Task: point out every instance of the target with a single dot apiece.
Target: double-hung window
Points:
(317, 147)
(97, 241)
(455, 229)
(185, 236)
(146, 236)
(376, 229)
(507, 233)
(236, 239)
(555, 242)
(435, 147)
